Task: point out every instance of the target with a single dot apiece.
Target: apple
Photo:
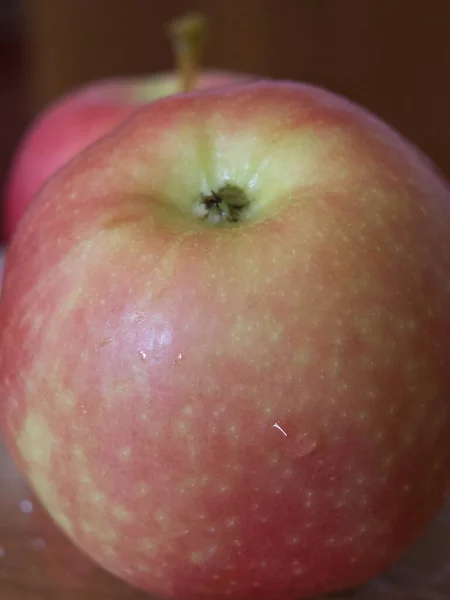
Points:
(77, 120)
(225, 330)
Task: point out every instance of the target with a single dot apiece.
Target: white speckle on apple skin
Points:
(97, 497)
(87, 528)
(232, 522)
(26, 506)
(122, 514)
(148, 545)
(143, 568)
(38, 543)
(124, 453)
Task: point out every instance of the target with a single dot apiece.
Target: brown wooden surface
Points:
(38, 563)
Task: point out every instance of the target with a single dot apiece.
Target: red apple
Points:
(225, 330)
(74, 122)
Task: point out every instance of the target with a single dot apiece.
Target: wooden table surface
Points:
(37, 562)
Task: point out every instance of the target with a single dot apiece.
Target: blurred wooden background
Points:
(391, 55)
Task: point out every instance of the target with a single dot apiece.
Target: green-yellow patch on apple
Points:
(36, 441)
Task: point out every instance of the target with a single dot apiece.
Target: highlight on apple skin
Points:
(225, 330)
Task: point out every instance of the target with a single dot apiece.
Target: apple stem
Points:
(188, 39)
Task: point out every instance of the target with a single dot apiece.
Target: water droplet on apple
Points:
(297, 445)
(179, 357)
(26, 506)
(142, 355)
(38, 543)
(305, 446)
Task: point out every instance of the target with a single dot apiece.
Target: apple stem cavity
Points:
(188, 39)
(226, 206)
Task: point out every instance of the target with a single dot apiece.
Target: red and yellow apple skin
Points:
(76, 121)
(251, 410)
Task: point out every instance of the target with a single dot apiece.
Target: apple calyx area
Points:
(226, 206)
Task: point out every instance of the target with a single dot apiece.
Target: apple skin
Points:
(254, 411)
(77, 120)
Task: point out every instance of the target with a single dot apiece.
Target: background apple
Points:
(225, 330)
